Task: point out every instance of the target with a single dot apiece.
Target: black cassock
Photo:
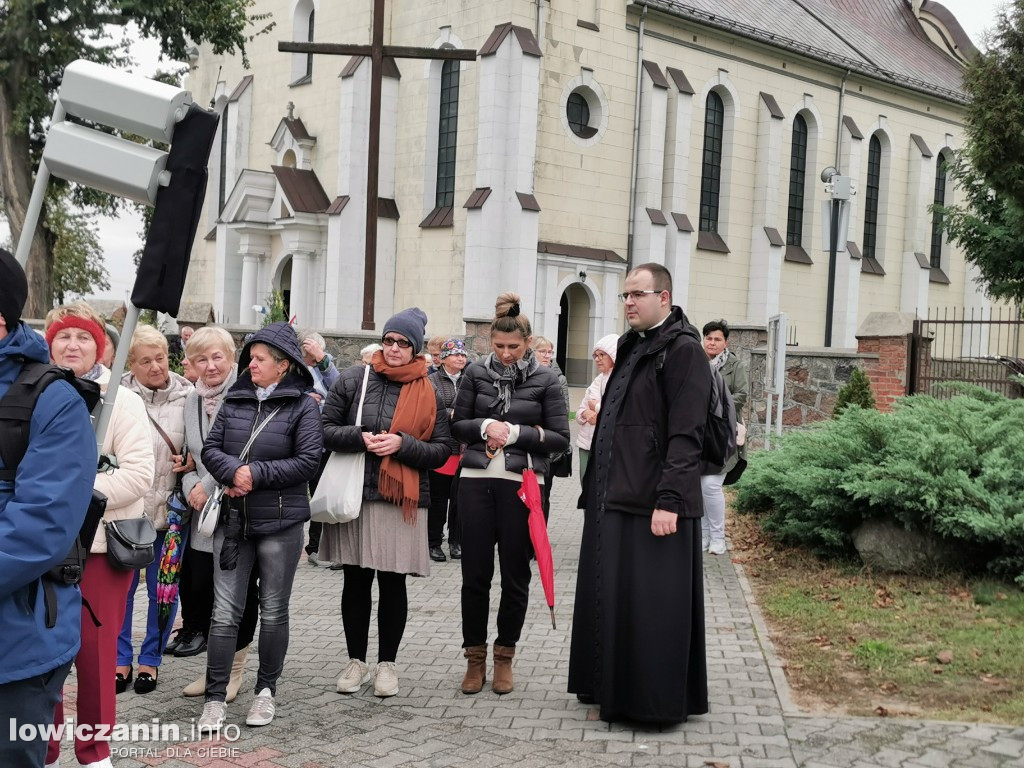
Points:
(638, 644)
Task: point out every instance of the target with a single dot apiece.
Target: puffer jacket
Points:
(128, 439)
(167, 408)
(285, 456)
(447, 390)
(342, 434)
(537, 401)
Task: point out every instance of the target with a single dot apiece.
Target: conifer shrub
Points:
(949, 467)
(857, 391)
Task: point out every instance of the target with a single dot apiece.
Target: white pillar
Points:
(300, 287)
(250, 268)
(916, 270)
(764, 281)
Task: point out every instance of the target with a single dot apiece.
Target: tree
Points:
(990, 167)
(37, 40)
(857, 391)
(77, 256)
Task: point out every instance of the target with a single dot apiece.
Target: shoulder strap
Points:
(163, 435)
(16, 408)
(362, 396)
(244, 455)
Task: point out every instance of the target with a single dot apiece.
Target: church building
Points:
(585, 137)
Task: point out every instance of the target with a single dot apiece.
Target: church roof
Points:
(303, 189)
(881, 39)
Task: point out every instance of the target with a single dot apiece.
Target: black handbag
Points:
(561, 465)
(130, 543)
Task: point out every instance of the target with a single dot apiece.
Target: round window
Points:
(578, 113)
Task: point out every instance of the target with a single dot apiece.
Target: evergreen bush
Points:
(857, 391)
(949, 467)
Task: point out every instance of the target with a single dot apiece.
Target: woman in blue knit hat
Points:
(404, 434)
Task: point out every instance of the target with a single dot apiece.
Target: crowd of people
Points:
(445, 441)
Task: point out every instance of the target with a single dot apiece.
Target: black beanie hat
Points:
(411, 323)
(13, 289)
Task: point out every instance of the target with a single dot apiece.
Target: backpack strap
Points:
(16, 408)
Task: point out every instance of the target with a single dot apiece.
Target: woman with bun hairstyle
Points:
(510, 410)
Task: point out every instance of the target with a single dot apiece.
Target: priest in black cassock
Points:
(638, 645)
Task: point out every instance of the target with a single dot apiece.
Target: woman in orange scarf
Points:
(404, 432)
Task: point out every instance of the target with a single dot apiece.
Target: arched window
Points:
(940, 199)
(711, 164)
(871, 194)
(797, 183)
(303, 22)
(447, 134)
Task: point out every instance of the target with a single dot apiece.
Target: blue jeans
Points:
(278, 556)
(153, 646)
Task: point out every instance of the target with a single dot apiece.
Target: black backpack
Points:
(720, 425)
(16, 408)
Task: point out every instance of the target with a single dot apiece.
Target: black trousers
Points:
(392, 611)
(443, 507)
(195, 593)
(316, 529)
(29, 702)
(492, 514)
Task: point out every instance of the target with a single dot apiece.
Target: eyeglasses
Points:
(635, 295)
(391, 341)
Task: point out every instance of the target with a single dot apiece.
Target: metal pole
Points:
(131, 319)
(833, 247)
(35, 203)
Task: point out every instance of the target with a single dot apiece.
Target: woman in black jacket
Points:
(510, 407)
(404, 433)
(262, 520)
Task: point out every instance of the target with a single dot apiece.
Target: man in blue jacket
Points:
(41, 512)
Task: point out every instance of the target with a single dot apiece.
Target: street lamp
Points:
(837, 215)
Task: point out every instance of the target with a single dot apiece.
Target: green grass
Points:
(862, 641)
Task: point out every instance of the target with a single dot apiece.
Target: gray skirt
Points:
(379, 539)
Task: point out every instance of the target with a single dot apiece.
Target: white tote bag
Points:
(339, 494)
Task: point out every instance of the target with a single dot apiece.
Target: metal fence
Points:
(981, 347)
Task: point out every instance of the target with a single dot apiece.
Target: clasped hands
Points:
(497, 435)
(383, 444)
(241, 484)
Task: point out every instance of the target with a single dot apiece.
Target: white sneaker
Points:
(705, 542)
(262, 710)
(385, 679)
(355, 676)
(213, 716)
(104, 763)
(717, 547)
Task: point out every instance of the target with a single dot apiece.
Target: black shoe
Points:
(192, 647)
(180, 636)
(437, 555)
(584, 698)
(456, 551)
(145, 682)
(121, 682)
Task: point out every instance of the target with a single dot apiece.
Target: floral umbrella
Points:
(170, 559)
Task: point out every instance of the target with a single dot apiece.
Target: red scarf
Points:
(415, 415)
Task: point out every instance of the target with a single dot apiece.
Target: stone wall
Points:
(813, 379)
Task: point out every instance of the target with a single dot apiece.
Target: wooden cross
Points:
(377, 52)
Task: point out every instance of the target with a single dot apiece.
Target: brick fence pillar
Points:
(887, 335)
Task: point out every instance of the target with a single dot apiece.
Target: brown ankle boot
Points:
(476, 668)
(503, 669)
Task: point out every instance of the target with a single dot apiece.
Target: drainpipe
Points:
(636, 136)
(839, 123)
(539, 24)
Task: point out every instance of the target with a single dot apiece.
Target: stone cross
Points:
(377, 52)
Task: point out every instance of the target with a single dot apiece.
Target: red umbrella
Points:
(529, 492)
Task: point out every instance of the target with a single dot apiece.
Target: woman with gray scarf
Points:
(716, 347)
(510, 413)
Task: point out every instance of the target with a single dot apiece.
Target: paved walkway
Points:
(752, 723)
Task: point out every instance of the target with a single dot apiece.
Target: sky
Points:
(119, 237)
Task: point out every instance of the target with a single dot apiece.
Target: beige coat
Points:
(167, 408)
(128, 439)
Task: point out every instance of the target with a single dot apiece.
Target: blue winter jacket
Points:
(40, 514)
